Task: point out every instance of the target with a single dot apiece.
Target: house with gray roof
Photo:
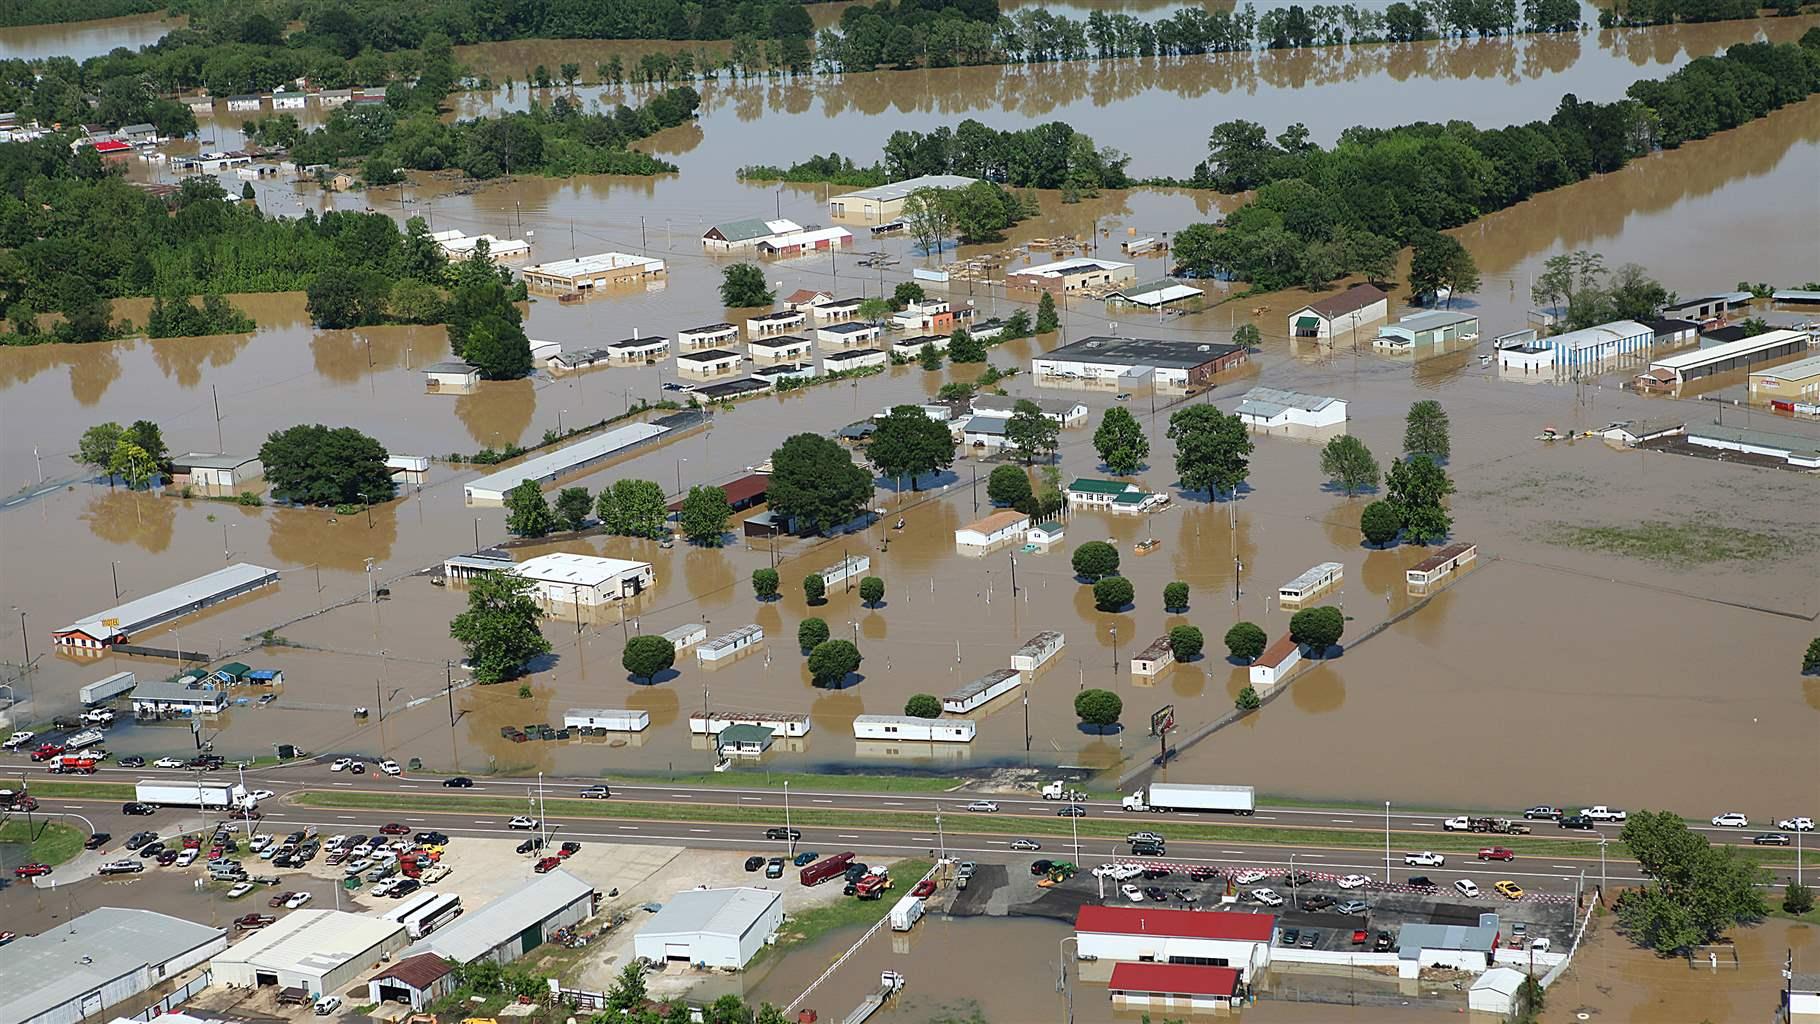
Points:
(1273, 407)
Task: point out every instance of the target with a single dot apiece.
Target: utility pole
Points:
(1013, 555)
(114, 568)
(220, 445)
(976, 489)
(448, 675)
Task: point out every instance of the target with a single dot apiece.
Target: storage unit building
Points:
(1434, 327)
(98, 960)
(319, 951)
(1708, 307)
(707, 336)
(587, 580)
(729, 644)
(1105, 360)
(451, 377)
(1154, 658)
(610, 719)
(1274, 665)
(1164, 291)
(214, 473)
(600, 270)
(1272, 407)
(899, 727)
(982, 691)
(1037, 651)
(883, 203)
(1591, 347)
(548, 467)
(1791, 382)
(741, 494)
(1794, 450)
(780, 322)
(1455, 946)
(714, 362)
(415, 981)
(1440, 565)
(798, 243)
(1192, 987)
(1078, 274)
(1495, 992)
(722, 928)
(518, 921)
(851, 334)
(1312, 583)
(1205, 938)
(119, 623)
(638, 350)
(1733, 355)
(1356, 307)
(853, 359)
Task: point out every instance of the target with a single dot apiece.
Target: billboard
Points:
(1162, 720)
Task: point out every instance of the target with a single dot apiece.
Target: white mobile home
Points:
(851, 566)
(729, 644)
(1310, 584)
(898, 727)
(610, 719)
(781, 723)
(1158, 655)
(1037, 651)
(982, 691)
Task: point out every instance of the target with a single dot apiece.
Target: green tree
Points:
(907, 443)
(833, 661)
(1098, 707)
(1030, 433)
(1110, 593)
(1248, 699)
(1121, 443)
(1212, 449)
(1245, 641)
(1797, 899)
(1810, 662)
(1017, 325)
(873, 310)
(1425, 431)
(1372, 255)
(572, 506)
(964, 348)
(928, 358)
(1380, 523)
(1317, 628)
(1186, 642)
(315, 465)
(871, 591)
(1095, 559)
(498, 631)
(907, 292)
(132, 464)
(570, 72)
(1046, 320)
(527, 513)
(1694, 891)
(765, 583)
(1415, 487)
(1009, 486)
(1440, 261)
(628, 990)
(923, 705)
(928, 218)
(743, 285)
(811, 633)
(632, 508)
(499, 347)
(814, 481)
(1175, 597)
(1347, 462)
(645, 656)
(342, 300)
(705, 515)
(150, 438)
(1247, 336)
(815, 589)
(96, 448)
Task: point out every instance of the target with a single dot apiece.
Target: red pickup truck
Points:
(1497, 853)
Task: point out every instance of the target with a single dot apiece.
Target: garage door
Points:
(676, 951)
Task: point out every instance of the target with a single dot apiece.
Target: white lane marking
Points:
(753, 799)
(701, 830)
(341, 783)
(891, 803)
(846, 837)
(416, 819)
(821, 800)
(1341, 821)
(1570, 867)
(628, 828)
(1233, 853)
(998, 842)
(407, 785)
(485, 821)
(921, 839)
(345, 817)
(682, 796)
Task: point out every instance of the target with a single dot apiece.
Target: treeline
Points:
(560, 140)
(1322, 213)
(74, 236)
(56, 12)
(1053, 156)
(1633, 13)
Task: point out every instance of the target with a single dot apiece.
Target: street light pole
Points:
(1387, 842)
(114, 568)
(789, 844)
(1061, 967)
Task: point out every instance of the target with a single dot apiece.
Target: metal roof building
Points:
(319, 951)
(98, 960)
(120, 622)
(715, 927)
(597, 270)
(520, 920)
(547, 467)
(1732, 355)
(1272, 407)
(884, 202)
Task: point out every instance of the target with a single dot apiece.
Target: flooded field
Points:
(81, 40)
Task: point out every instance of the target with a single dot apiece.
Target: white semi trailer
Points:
(1177, 796)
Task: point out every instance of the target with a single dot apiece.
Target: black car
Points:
(806, 857)
(1383, 944)
(1290, 935)
(1077, 811)
(138, 839)
(121, 867)
(774, 868)
(1147, 849)
(405, 887)
(754, 863)
(1317, 901)
(132, 761)
(1420, 882)
(151, 849)
(458, 782)
(134, 807)
(856, 871)
(1771, 839)
(1543, 812)
(357, 768)
(1202, 873)
(792, 834)
(1154, 873)
(1041, 867)
(530, 844)
(1297, 878)
(1579, 821)
(96, 841)
(1155, 893)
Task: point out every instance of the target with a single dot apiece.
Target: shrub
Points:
(1248, 700)
(1245, 641)
(923, 705)
(811, 634)
(1098, 707)
(1175, 597)
(1317, 628)
(764, 584)
(1112, 593)
(872, 590)
(1095, 559)
(1380, 523)
(815, 589)
(645, 656)
(1186, 642)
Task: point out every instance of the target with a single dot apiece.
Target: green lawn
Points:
(1695, 542)
(994, 824)
(46, 842)
(845, 912)
(804, 781)
(89, 790)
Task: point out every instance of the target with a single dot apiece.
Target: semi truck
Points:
(1177, 796)
(207, 795)
(107, 689)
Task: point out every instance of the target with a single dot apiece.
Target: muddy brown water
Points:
(1547, 674)
(84, 39)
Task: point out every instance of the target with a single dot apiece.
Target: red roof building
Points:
(1173, 986)
(1183, 924)
(112, 147)
(1202, 938)
(747, 491)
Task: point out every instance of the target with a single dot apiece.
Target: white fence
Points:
(1557, 970)
(1336, 957)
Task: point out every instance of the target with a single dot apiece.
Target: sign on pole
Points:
(1162, 720)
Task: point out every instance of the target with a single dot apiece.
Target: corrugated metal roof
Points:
(313, 941)
(1271, 402)
(154, 607)
(1186, 979)
(553, 464)
(1792, 371)
(39, 972)
(1727, 350)
(722, 912)
(516, 909)
(901, 189)
(1186, 924)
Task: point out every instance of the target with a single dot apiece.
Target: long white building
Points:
(547, 467)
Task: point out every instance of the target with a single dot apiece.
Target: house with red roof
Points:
(1146, 986)
(1153, 935)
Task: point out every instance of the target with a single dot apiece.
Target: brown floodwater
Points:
(84, 39)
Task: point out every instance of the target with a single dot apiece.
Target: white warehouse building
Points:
(712, 927)
(98, 960)
(319, 951)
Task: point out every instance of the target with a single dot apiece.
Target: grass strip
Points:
(814, 922)
(40, 842)
(992, 824)
(803, 781)
(82, 790)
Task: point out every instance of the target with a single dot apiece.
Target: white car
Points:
(327, 1004)
(1353, 881)
(168, 762)
(341, 764)
(1731, 819)
(1026, 844)
(1250, 876)
(1426, 859)
(522, 822)
(259, 842)
(240, 890)
(19, 739)
(297, 901)
(390, 767)
(1267, 897)
(335, 842)
(982, 805)
(1467, 888)
(1796, 824)
(1132, 892)
(260, 794)
(356, 867)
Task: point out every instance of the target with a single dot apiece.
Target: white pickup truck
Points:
(1425, 859)
(1600, 812)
